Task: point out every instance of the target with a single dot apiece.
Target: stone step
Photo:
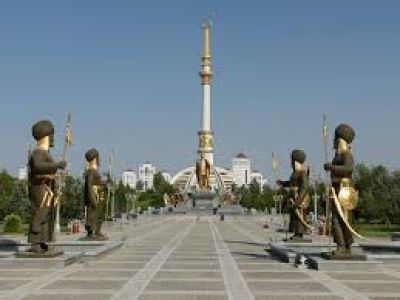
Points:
(395, 236)
(58, 262)
(321, 264)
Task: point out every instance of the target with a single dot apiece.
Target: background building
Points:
(259, 177)
(242, 174)
(241, 169)
(146, 175)
(167, 176)
(129, 178)
(22, 173)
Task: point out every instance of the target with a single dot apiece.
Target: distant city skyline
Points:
(128, 73)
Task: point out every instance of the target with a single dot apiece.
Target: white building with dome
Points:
(129, 178)
(241, 169)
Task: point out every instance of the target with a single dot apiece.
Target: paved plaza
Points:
(185, 257)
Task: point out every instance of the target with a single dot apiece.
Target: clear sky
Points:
(128, 72)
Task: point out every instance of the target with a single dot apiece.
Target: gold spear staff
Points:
(110, 185)
(275, 172)
(68, 137)
(325, 137)
(61, 183)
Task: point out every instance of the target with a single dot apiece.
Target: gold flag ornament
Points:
(68, 132)
(324, 128)
(274, 164)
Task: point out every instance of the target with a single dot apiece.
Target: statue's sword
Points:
(299, 215)
(342, 216)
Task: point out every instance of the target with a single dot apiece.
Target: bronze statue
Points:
(42, 193)
(93, 189)
(203, 170)
(299, 198)
(343, 195)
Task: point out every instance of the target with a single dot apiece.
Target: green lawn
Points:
(378, 230)
(25, 228)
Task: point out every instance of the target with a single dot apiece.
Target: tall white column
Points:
(206, 120)
(205, 133)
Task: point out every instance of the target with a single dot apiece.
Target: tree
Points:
(121, 194)
(394, 210)
(245, 197)
(160, 185)
(142, 201)
(6, 190)
(13, 197)
(268, 197)
(253, 197)
(254, 187)
(72, 204)
(155, 197)
(19, 201)
(139, 185)
(379, 193)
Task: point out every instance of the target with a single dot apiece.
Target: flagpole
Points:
(325, 137)
(112, 208)
(67, 144)
(110, 183)
(275, 172)
(277, 196)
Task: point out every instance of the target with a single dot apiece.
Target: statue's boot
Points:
(35, 244)
(89, 232)
(348, 249)
(44, 247)
(340, 250)
(100, 236)
(35, 248)
(296, 237)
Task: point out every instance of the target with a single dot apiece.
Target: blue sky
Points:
(128, 72)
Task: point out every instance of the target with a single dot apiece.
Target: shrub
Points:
(12, 224)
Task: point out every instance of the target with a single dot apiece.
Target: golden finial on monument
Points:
(206, 31)
(205, 72)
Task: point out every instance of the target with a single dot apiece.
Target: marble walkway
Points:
(190, 258)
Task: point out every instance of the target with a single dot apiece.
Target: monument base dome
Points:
(221, 180)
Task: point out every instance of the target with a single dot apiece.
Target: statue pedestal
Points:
(202, 200)
(297, 240)
(49, 260)
(48, 254)
(93, 238)
(343, 264)
(203, 195)
(395, 236)
(347, 256)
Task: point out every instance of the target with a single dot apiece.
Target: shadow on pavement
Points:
(8, 245)
(245, 243)
(253, 255)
